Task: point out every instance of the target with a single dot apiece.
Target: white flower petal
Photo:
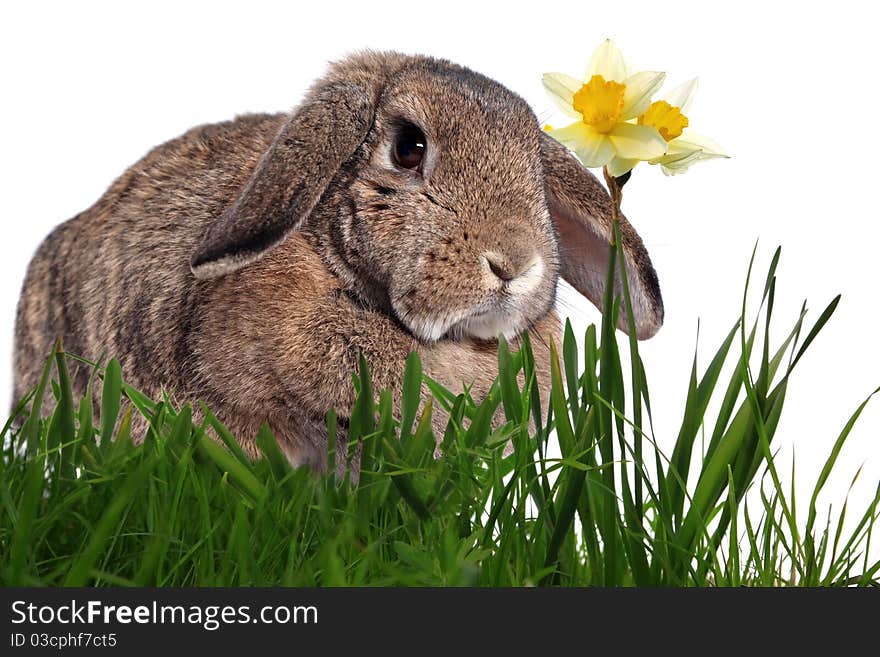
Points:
(682, 96)
(593, 149)
(619, 166)
(637, 142)
(595, 152)
(570, 134)
(677, 162)
(561, 88)
(639, 89)
(691, 140)
(607, 61)
(681, 162)
(686, 151)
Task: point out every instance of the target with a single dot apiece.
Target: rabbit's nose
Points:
(500, 266)
(507, 269)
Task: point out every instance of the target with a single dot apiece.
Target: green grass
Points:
(80, 504)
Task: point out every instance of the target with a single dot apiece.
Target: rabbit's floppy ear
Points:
(289, 179)
(581, 210)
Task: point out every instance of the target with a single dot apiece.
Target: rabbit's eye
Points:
(409, 147)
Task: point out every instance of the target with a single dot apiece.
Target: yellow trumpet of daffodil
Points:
(605, 105)
(684, 146)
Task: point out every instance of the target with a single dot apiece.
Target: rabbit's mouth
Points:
(484, 322)
(512, 306)
(505, 315)
(507, 305)
(488, 325)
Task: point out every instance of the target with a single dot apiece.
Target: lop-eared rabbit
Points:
(408, 204)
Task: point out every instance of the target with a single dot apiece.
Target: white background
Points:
(789, 89)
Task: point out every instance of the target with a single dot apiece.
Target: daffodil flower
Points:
(670, 118)
(605, 104)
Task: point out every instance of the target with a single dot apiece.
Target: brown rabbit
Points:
(407, 204)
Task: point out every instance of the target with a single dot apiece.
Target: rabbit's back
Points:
(115, 279)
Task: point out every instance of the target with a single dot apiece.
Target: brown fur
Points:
(247, 264)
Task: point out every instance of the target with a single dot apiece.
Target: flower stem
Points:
(616, 192)
(615, 186)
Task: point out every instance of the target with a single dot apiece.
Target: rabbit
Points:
(407, 204)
